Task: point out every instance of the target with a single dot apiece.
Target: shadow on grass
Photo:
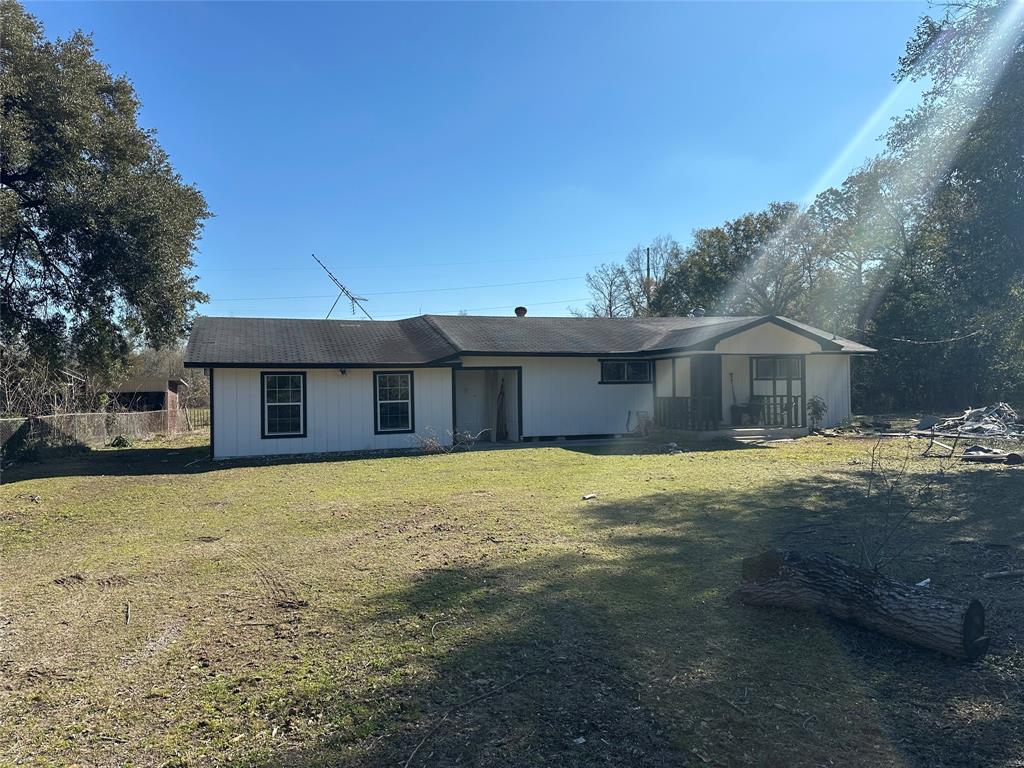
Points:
(627, 647)
(151, 460)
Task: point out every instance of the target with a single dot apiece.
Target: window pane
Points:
(613, 370)
(764, 368)
(393, 386)
(638, 370)
(794, 367)
(284, 419)
(393, 416)
(283, 389)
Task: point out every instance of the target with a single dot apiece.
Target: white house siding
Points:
(767, 339)
(562, 396)
(339, 412)
(828, 376)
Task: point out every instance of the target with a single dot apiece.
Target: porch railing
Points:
(688, 413)
(778, 410)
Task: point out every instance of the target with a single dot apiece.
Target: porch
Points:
(697, 414)
(718, 392)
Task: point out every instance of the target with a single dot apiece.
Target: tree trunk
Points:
(869, 599)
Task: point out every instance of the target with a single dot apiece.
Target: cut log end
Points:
(975, 639)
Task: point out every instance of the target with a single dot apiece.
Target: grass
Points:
(472, 609)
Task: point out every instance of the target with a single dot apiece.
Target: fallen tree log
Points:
(824, 583)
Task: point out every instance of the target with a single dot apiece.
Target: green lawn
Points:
(472, 609)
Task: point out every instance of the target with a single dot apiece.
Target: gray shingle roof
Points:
(238, 341)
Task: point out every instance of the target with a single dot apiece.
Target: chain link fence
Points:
(94, 429)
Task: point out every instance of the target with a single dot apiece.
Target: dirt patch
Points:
(70, 581)
(113, 581)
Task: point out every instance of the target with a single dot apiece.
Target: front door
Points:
(706, 385)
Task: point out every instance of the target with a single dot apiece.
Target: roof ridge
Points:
(429, 320)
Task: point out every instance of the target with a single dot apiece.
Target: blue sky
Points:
(478, 156)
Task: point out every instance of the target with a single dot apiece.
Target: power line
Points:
(399, 293)
(392, 265)
(950, 340)
(474, 287)
(489, 309)
(456, 310)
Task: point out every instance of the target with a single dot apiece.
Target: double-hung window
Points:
(392, 402)
(625, 372)
(284, 404)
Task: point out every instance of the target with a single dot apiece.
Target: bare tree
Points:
(628, 289)
(607, 286)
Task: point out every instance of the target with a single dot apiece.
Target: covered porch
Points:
(731, 393)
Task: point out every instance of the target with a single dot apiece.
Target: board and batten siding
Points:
(828, 377)
(339, 412)
(562, 396)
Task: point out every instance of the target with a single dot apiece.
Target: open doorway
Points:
(487, 404)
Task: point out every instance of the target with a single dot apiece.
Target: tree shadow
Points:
(628, 647)
(84, 461)
(151, 460)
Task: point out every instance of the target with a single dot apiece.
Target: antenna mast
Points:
(343, 291)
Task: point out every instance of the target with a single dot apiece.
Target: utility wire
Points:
(391, 265)
(950, 340)
(397, 293)
(490, 309)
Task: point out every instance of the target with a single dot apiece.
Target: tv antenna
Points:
(343, 291)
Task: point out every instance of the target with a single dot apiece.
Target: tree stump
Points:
(824, 583)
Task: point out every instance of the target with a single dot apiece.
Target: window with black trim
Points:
(777, 375)
(284, 404)
(625, 372)
(392, 402)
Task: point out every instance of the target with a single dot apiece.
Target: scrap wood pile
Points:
(999, 420)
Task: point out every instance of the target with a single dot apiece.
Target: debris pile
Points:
(999, 420)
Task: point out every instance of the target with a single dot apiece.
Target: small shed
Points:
(149, 393)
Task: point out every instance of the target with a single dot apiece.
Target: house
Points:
(281, 386)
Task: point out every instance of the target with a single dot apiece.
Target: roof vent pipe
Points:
(520, 311)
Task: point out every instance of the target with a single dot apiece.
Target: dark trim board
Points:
(263, 404)
(519, 394)
(446, 363)
(412, 404)
(213, 421)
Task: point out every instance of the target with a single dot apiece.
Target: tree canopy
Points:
(97, 229)
(919, 253)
